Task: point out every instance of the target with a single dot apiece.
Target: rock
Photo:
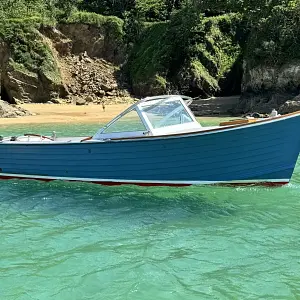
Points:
(96, 41)
(114, 86)
(113, 93)
(80, 101)
(11, 111)
(265, 87)
(106, 87)
(91, 80)
(88, 60)
(24, 85)
(64, 47)
(64, 91)
(57, 101)
(17, 101)
(85, 88)
(214, 105)
(290, 106)
(86, 65)
(89, 99)
(100, 93)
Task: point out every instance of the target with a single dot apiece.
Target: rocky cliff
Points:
(74, 62)
(89, 58)
(191, 54)
(266, 87)
(271, 77)
(28, 69)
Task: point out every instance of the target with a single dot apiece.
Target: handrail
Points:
(39, 135)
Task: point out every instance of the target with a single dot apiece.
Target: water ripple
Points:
(82, 241)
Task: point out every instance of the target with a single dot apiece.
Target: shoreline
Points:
(66, 114)
(72, 114)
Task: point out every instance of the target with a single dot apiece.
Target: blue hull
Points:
(262, 152)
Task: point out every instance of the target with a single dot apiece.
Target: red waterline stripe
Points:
(107, 183)
(265, 183)
(145, 184)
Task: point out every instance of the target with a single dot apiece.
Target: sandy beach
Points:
(68, 114)
(64, 113)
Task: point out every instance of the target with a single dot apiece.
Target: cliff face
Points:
(90, 57)
(265, 87)
(83, 57)
(96, 41)
(272, 63)
(191, 54)
(29, 72)
(71, 61)
(89, 60)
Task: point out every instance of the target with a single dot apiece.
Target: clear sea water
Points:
(83, 241)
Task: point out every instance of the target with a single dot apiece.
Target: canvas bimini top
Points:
(152, 116)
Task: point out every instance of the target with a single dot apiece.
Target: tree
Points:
(108, 7)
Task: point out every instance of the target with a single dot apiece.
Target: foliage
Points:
(112, 24)
(45, 9)
(194, 52)
(107, 7)
(150, 10)
(276, 38)
(148, 58)
(191, 45)
(29, 53)
(133, 27)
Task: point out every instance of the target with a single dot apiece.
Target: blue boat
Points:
(158, 141)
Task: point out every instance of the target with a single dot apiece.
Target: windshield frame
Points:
(150, 130)
(180, 107)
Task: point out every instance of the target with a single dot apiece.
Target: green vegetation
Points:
(113, 25)
(148, 59)
(29, 53)
(179, 45)
(276, 39)
(188, 53)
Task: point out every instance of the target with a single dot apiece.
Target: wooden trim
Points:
(86, 139)
(38, 135)
(211, 130)
(238, 122)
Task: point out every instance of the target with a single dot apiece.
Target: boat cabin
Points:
(152, 116)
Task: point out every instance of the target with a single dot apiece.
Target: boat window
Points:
(130, 122)
(166, 113)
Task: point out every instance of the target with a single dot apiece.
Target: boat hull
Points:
(262, 153)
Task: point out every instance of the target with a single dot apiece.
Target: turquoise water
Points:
(83, 241)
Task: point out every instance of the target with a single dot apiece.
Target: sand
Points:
(64, 113)
(68, 114)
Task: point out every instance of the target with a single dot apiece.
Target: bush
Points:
(276, 39)
(29, 53)
(190, 52)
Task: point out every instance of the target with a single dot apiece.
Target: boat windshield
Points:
(163, 113)
(130, 122)
(154, 116)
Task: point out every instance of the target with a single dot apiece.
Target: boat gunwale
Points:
(219, 129)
